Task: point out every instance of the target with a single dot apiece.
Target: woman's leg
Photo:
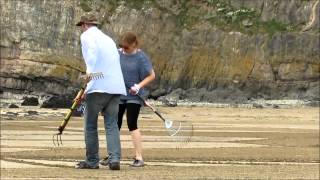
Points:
(122, 109)
(136, 139)
(133, 111)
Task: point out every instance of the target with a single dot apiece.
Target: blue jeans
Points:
(95, 102)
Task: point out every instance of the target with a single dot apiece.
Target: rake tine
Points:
(53, 140)
(56, 139)
(60, 140)
(98, 76)
(175, 130)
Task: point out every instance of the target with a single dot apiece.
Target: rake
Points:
(182, 130)
(57, 141)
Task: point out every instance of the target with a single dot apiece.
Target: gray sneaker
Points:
(105, 161)
(137, 163)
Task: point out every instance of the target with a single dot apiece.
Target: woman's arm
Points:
(135, 89)
(148, 79)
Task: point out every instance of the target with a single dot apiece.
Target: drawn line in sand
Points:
(35, 163)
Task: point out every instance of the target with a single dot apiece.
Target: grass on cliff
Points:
(219, 13)
(245, 20)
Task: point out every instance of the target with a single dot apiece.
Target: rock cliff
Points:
(210, 49)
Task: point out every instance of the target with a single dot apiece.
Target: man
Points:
(101, 55)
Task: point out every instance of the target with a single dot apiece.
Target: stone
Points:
(11, 113)
(32, 112)
(170, 102)
(176, 94)
(259, 106)
(157, 93)
(57, 102)
(30, 101)
(313, 104)
(13, 106)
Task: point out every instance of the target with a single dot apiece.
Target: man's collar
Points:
(90, 29)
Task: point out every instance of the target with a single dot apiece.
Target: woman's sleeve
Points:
(145, 67)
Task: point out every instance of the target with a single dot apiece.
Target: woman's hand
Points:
(134, 89)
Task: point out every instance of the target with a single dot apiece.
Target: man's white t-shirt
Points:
(101, 55)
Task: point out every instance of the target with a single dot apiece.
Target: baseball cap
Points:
(88, 18)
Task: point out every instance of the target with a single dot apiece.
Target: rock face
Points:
(39, 47)
(220, 49)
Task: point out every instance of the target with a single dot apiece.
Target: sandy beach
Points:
(227, 143)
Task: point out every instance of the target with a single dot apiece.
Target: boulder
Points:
(168, 101)
(32, 112)
(57, 102)
(13, 106)
(30, 101)
(157, 93)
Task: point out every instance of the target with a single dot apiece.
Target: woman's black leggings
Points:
(133, 111)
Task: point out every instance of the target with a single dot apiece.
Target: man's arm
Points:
(89, 52)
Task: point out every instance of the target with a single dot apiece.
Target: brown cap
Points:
(88, 18)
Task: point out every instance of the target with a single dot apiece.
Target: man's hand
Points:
(134, 89)
(85, 78)
(80, 96)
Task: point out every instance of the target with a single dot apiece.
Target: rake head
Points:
(95, 76)
(56, 139)
(172, 128)
(181, 131)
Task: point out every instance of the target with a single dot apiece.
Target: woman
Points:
(137, 73)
